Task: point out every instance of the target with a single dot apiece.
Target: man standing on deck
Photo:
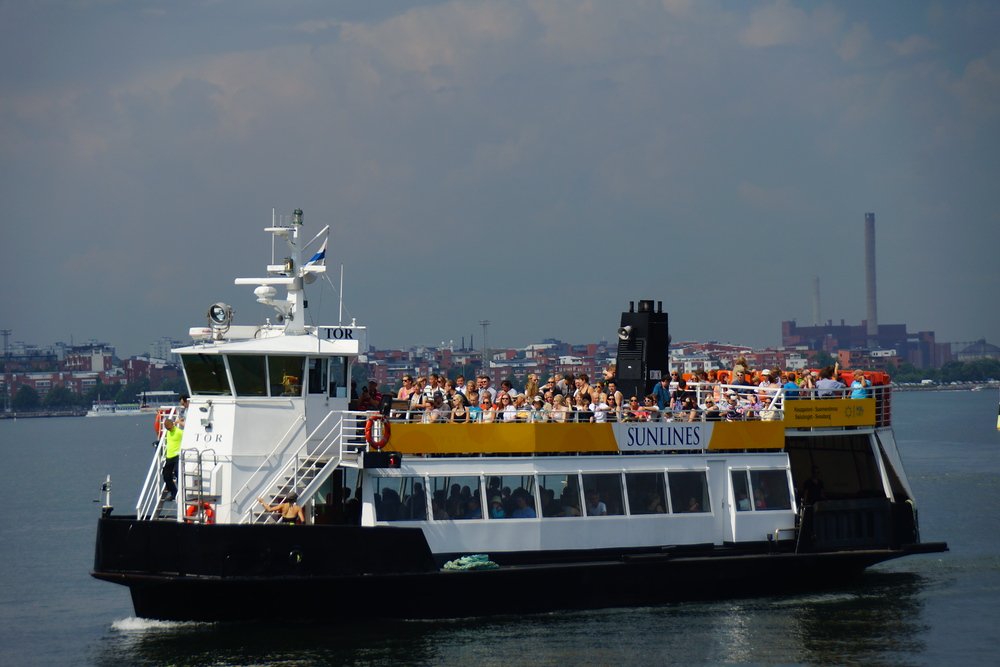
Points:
(662, 392)
(171, 455)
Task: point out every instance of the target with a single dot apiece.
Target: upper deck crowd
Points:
(737, 395)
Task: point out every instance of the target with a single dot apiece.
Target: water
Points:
(932, 609)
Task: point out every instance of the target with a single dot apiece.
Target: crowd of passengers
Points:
(739, 395)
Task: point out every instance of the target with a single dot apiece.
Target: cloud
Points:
(776, 24)
(854, 42)
(912, 45)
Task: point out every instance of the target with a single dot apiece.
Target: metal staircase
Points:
(338, 440)
(195, 484)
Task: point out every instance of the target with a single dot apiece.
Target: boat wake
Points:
(141, 625)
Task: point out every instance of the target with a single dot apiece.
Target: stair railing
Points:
(153, 487)
(281, 442)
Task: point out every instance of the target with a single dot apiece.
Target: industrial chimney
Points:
(872, 330)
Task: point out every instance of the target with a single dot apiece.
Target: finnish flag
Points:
(319, 259)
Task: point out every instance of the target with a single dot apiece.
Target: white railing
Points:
(152, 489)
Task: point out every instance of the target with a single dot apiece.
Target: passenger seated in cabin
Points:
(438, 511)
(472, 509)
(812, 489)
(569, 502)
(693, 505)
(742, 502)
(455, 505)
(654, 505)
(760, 501)
(595, 507)
(496, 508)
(291, 513)
(389, 507)
(416, 504)
(352, 507)
(524, 506)
(550, 506)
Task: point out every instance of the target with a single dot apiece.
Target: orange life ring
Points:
(161, 415)
(209, 513)
(370, 431)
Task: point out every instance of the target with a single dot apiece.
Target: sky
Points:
(535, 164)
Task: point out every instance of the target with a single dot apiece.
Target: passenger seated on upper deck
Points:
(599, 410)
(407, 389)
(523, 409)
(506, 410)
(366, 403)
(791, 386)
(582, 383)
(459, 413)
(859, 385)
(488, 413)
(827, 386)
(712, 412)
(560, 412)
(581, 408)
(436, 412)
(690, 409)
(507, 388)
(538, 413)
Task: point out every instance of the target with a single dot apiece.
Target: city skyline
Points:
(537, 163)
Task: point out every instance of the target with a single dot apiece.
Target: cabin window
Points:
(517, 497)
(602, 494)
(741, 491)
(770, 490)
(317, 375)
(206, 374)
(688, 492)
(285, 375)
(338, 377)
(456, 498)
(647, 492)
(249, 375)
(400, 499)
(560, 495)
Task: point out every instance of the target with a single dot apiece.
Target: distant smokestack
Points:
(816, 309)
(872, 330)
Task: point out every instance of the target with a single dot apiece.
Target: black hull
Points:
(189, 572)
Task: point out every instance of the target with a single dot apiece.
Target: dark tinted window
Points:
(206, 374)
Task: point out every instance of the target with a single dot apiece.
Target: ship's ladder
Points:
(195, 484)
(337, 441)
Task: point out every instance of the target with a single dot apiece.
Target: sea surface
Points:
(934, 609)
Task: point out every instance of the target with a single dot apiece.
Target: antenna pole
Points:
(340, 313)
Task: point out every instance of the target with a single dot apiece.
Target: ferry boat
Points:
(112, 409)
(405, 519)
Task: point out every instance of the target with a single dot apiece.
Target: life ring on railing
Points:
(192, 511)
(161, 416)
(370, 432)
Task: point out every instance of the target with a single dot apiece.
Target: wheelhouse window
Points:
(317, 375)
(206, 374)
(454, 498)
(285, 375)
(647, 492)
(688, 492)
(400, 499)
(560, 495)
(602, 494)
(249, 374)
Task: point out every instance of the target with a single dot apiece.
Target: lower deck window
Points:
(560, 495)
(602, 494)
(688, 492)
(646, 492)
(400, 499)
(455, 498)
(757, 490)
